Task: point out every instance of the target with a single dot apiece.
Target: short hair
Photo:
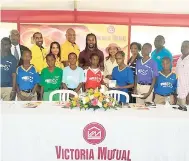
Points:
(27, 50)
(72, 53)
(161, 37)
(94, 54)
(166, 58)
(137, 44)
(6, 39)
(148, 44)
(50, 55)
(121, 53)
(36, 33)
(186, 41)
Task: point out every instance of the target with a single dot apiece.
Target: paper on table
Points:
(112, 83)
(137, 95)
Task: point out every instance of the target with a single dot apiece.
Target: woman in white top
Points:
(110, 61)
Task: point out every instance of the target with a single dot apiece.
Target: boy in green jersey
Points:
(51, 79)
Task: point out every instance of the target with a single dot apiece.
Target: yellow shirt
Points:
(38, 58)
(68, 48)
(58, 63)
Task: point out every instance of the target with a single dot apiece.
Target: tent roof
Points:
(133, 6)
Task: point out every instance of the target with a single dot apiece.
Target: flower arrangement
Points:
(92, 99)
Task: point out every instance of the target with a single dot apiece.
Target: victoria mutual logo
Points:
(94, 133)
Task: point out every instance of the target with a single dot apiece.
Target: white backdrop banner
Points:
(55, 134)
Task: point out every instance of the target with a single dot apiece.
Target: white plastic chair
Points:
(116, 95)
(64, 95)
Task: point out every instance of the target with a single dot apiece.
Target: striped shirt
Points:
(182, 70)
(133, 64)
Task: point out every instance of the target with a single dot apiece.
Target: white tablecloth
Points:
(158, 134)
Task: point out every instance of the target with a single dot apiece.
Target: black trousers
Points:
(132, 99)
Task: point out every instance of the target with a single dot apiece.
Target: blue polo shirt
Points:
(27, 79)
(8, 67)
(123, 78)
(158, 56)
(165, 85)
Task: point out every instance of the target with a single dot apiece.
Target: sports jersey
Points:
(27, 79)
(94, 78)
(123, 77)
(165, 85)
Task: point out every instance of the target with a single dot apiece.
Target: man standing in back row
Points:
(38, 53)
(160, 52)
(69, 46)
(182, 71)
(16, 48)
(91, 47)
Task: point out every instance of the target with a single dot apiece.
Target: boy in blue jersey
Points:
(160, 52)
(166, 84)
(123, 75)
(146, 74)
(27, 79)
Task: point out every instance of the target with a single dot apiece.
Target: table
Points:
(50, 133)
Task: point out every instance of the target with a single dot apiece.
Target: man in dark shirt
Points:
(8, 71)
(91, 47)
(16, 48)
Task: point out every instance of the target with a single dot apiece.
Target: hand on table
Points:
(12, 95)
(23, 98)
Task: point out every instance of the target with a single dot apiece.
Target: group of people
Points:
(32, 74)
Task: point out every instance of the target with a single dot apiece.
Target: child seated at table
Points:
(93, 75)
(51, 78)
(166, 84)
(123, 75)
(27, 79)
(146, 73)
(73, 78)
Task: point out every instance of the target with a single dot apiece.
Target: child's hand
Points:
(118, 87)
(145, 95)
(23, 98)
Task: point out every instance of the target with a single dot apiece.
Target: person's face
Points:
(26, 57)
(70, 35)
(95, 61)
(146, 50)
(50, 61)
(113, 50)
(38, 39)
(5, 46)
(134, 49)
(91, 41)
(55, 49)
(185, 48)
(159, 42)
(15, 37)
(72, 59)
(166, 64)
(119, 59)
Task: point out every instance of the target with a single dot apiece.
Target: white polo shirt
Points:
(182, 70)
